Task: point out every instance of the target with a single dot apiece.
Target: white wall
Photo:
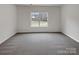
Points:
(7, 21)
(24, 19)
(70, 21)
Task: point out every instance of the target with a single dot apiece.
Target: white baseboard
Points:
(71, 37)
(6, 38)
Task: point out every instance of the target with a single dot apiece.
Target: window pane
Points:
(34, 24)
(39, 19)
(43, 24)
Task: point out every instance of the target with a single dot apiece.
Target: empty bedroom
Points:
(39, 29)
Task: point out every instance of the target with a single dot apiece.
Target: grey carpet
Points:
(39, 44)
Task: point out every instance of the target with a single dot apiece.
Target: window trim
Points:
(39, 20)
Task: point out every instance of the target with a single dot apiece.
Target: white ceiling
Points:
(38, 4)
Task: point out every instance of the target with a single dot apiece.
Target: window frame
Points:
(39, 20)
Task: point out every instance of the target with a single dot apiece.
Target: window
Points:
(39, 19)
